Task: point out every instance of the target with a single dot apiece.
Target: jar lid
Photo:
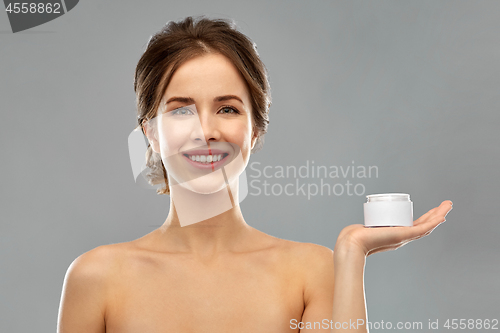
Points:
(388, 197)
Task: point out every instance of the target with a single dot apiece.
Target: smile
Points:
(206, 159)
(209, 158)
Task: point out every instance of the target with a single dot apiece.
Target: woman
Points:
(203, 100)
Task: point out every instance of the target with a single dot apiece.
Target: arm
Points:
(349, 305)
(330, 273)
(82, 307)
(317, 263)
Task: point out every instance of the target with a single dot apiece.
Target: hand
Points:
(372, 240)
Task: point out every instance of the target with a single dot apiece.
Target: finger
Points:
(429, 228)
(443, 210)
(424, 234)
(425, 216)
(450, 206)
(444, 207)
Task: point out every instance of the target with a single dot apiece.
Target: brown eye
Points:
(228, 110)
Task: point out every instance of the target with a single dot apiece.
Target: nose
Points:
(208, 130)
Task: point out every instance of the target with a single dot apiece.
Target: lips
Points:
(206, 158)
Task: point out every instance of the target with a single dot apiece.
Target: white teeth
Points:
(206, 158)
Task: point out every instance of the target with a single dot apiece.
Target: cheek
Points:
(172, 137)
(241, 135)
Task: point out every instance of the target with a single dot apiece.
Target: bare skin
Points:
(220, 274)
(246, 281)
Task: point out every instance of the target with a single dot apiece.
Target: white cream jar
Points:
(388, 210)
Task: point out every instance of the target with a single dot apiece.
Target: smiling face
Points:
(204, 124)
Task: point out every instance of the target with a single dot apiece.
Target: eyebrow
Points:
(190, 100)
(227, 97)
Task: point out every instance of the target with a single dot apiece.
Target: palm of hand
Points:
(373, 240)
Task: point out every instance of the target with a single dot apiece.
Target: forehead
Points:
(207, 76)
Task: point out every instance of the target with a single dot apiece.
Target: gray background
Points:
(410, 87)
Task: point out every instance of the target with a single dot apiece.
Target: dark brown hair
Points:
(180, 41)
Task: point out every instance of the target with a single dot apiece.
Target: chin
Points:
(208, 184)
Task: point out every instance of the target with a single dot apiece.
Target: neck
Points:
(204, 224)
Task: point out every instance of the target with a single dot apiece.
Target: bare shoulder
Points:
(85, 291)
(96, 263)
(94, 270)
(309, 254)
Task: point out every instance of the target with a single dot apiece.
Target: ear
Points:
(255, 136)
(150, 130)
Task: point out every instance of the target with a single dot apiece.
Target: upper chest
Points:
(259, 291)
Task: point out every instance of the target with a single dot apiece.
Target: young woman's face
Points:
(204, 124)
